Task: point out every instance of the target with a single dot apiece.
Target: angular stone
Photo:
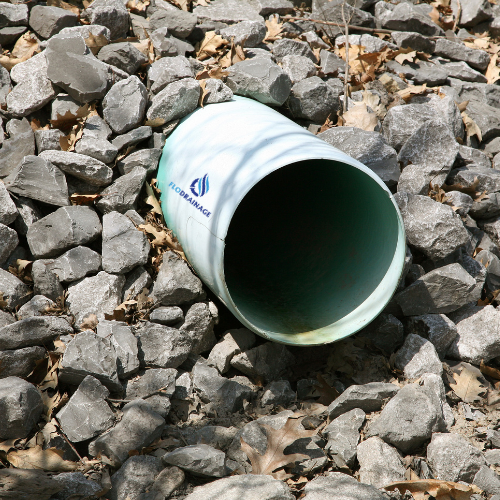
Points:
(416, 357)
(123, 55)
(13, 290)
(75, 264)
(199, 327)
(478, 337)
(433, 228)
(486, 117)
(247, 33)
(407, 17)
(75, 485)
(368, 397)
(65, 228)
(380, 463)
(331, 64)
(492, 263)
(168, 70)
(145, 158)
(169, 316)
(48, 139)
(45, 282)
(13, 15)
(20, 144)
(443, 290)
(35, 307)
(267, 361)
(164, 44)
(229, 11)
(48, 21)
(136, 281)
(178, 22)
(217, 91)
(440, 330)
(338, 486)
(38, 179)
(343, 435)
(298, 67)
(234, 342)
(33, 331)
(409, 419)
(333, 12)
(8, 242)
(20, 362)
(492, 457)
(461, 70)
(88, 29)
(487, 480)
(369, 42)
(98, 149)
(110, 13)
(9, 35)
(260, 79)
(287, 46)
(200, 460)
(133, 137)
(415, 41)
(122, 194)
(216, 436)
(474, 12)
(457, 51)
(278, 393)
(452, 458)
(86, 414)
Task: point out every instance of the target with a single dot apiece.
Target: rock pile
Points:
(113, 355)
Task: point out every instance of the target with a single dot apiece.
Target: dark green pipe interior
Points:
(307, 245)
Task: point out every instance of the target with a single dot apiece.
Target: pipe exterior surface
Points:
(211, 161)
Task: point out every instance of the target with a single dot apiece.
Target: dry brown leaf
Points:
(389, 83)
(277, 441)
(358, 116)
(471, 127)
(327, 393)
(25, 48)
(68, 142)
(156, 122)
(462, 106)
(64, 5)
(95, 43)
(120, 312)
(492, 71)
(6, 446)
(83, 199)
(489, 371)
(69, 119)
(373, 101)
(424, 489)
(152, 200)
(89, 322)
(210, 45)
(204, 92)
(274, 29)
(36, 125)
(137, 6)
(412, 90)
(410, 57)
(144, 46)
(234, 55)
(37, 458)
(215, 72)
(3, 302)
(468, 383)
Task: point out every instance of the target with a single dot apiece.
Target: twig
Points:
(143, 397)
(346, 71)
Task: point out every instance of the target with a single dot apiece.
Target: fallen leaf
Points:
(83, 199)
(489, 371)
(234, 55)
(471, 127)
(3, 302)
(144, 46)
(64, 5)
(424, 489)
(358, 116)
(492, 71)
(96, 43)
(120, 312)
(389, 83)
(152, 201)
(274, 29)
(204, 92)
(462, 106)
(410, 57)
(89, 322)
(412, 90)
(215, 72)
(25, 48)
(277, 441)
(5, 446)
(434, 15)
(37, 458)
(210, 45)
(373, 101)
(36, 125)
(138, 6)
(468, 383)
(327, 393)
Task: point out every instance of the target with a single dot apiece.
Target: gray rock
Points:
(217, 91)
(98, 149)
(226, 396)
(71, 65)
(123, 55)
(86, 30)
(442, 290)
(62, 105)
(136, 281)
(13, 290)
(492, 264)
(281, 7)
(122, 194)
(343, 435)
(260, 79)
(178, 22)
(86, 414)
(34, 307)
(13, 15)
(216, 436)
(33, 89)
(20, 405)
(492, 457)
(65, 228)
(246, 33)
(133, 137)
(75, 264)
(110, 13)
(433, 228)
(415, 41)
(14, 149)
(298, 67)
(6, 318)
(234, 342)
(139, 427)
(267, 361)
(8, 242)
(20, 362)
(488, 480)
(332, 12)
(473, 157)
(163, 44)
(184, 388)
(38, 179)
(98, 294)
(338, 486)
(473, 12)
(370, 148)
(368, 397)
(459, 52)
(9, 35)
(199, 327)
(81, 166)
(96, 128)
(48, 21)
(369, 42)
(380, 463)
(440, 330)
(407, 17)
(176, 284)
(48, 139)
(486, 117)
(420, 72)
(145, 158)
(461, 70)
(416, 357)
(477, 337)
(33, 331)
(168, 70)
(331, 64)
(229, 11)
(433, 385)
(135, 477)
(75, 486)
(242, 487)
(386, 332)
(278, 393)
(162, 346)
(409, 419)
(452, 458)
(287, 46)
(200, 460)
(45, 282)
(461, 201)
(150, 382)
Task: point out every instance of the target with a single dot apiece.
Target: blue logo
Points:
(199, 187)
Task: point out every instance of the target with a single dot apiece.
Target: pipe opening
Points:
(307, 245)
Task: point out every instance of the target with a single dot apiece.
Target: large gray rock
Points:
(229, 11)
(488, 480)
(33, 89)
(416, 357)
(288, 46)
(486, 117)
(168, 70)
(45, 282)
(20, 144)
(242, 487)
(98, 295)
(125, 104)
(338, 486)
(370, 148)
(433, 385)
(478, 337)
(431, 227)
(38, 179)
(247, 33)
(65, 228)
(48, 21)
(139, 427)
(473, 12)
(453, 458)
(409, 419)
(83, 167)
(75, 485)
(368, 397)
(110, 13)
(169, 316)
(122, 194)
(488, 179)
(33, 331)
(135, 136)
(86, 414)
(415, 41)
(200, 460)
(234, 342)
(20, 406)
(176, 284)
(13, 15)
(199, 326)
(13, 290)
(35, 307)
(178, 22)
(298, 67)
(407, 17)
(20, 362)
(176, 100)
(123, 246)
(96, 148)
(122, 55)
(145, 158)
(380, 463)
(75, 264)
(460, 70)
(457, 51)
(260, 79)
(8, 242)
(439, 329)
(48, 139)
